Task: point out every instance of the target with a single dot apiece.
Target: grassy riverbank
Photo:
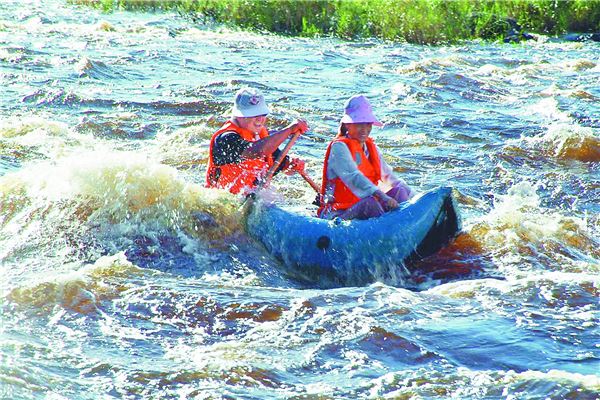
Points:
(415, 21)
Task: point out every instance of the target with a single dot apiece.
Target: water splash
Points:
(36, 137)
(98, 203)
(569, 142)
(79, 290)
(518, 226)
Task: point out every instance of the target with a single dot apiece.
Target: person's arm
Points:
(269, 144)
(229, 147)
(342, 165)
(387, 173)
(388, 177)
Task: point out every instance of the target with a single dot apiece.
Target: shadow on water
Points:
(237, 257)
(462, 259)
(470, 342)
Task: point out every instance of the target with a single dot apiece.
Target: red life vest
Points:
(237, 176)
(370, 167)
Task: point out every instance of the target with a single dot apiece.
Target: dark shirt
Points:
(229, 146)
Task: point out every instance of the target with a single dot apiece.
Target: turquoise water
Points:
(123, 278)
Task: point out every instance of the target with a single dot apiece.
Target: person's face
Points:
(359, 132)
(254, 124)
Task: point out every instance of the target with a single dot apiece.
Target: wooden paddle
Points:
(279, 160)
(310, 181)
(269, 175)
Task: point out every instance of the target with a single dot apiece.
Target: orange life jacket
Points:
(237, 176)
(370, 167)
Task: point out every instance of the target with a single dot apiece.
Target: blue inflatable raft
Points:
(336, 252)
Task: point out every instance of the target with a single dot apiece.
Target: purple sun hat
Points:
(358, 110)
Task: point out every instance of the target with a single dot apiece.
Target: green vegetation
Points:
(415, 21)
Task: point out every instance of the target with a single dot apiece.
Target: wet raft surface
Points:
(356, 252)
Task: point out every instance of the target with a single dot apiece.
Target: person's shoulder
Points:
(228, 133)
(339, 149)
(339, 144)
(228, 136)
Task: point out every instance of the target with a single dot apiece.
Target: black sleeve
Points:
(228, 148)
(284, 163)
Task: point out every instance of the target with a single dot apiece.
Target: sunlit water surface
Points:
(122, 277)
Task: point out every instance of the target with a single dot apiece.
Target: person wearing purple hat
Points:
(355, 174)
(242, 150)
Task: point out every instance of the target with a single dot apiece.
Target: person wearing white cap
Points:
(242, 150)
(355, 174)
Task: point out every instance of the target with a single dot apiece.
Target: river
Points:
(122, 277)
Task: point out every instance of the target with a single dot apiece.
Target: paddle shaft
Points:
(279, 159)
(310, 181)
